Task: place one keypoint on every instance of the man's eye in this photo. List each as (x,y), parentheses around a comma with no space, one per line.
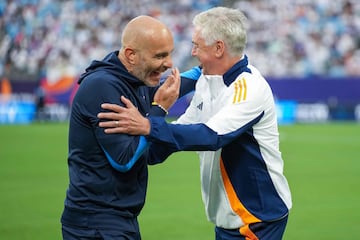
(162,56)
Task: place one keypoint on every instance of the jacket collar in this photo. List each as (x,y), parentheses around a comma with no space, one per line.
(240,67)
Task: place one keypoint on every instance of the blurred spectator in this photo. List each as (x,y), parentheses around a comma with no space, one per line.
(287,38)
(304,37)
(40,104)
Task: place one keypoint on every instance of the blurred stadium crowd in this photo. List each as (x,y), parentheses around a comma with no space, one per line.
(286,38)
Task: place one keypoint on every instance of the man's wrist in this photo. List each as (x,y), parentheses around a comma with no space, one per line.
(160,106)
(147,127)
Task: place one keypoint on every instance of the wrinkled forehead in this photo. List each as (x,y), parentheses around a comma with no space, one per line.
(159,42)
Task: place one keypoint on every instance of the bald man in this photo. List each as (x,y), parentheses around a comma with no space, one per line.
(108,173)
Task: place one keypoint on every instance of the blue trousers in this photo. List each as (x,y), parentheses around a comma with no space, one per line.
(78,225)
(255,231)
(76,233)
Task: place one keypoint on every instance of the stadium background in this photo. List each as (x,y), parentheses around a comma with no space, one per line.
(308,51)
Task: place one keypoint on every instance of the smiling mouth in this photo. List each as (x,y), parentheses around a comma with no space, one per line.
(155,73)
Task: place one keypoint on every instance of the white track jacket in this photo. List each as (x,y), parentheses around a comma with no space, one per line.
(231,122)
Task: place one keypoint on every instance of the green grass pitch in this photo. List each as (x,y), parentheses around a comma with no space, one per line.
(322,164)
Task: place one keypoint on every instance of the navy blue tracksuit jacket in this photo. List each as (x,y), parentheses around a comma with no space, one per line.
(106,181)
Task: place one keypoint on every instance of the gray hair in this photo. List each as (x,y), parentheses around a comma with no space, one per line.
(226,24)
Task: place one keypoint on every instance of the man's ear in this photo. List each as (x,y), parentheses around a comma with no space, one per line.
(130,55)
(219,48)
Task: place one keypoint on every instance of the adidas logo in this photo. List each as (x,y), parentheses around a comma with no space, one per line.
(200,106)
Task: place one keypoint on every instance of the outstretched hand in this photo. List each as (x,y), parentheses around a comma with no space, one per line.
(126,119)
(168,92)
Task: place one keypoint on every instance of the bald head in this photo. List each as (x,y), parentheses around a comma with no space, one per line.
(146,49)
(142,29)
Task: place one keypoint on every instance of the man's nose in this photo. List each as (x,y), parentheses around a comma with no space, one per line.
(168,63)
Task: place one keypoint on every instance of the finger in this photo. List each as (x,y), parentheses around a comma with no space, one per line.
(127,102)
(110,124)
(111,107)
(176,77)
(168,82)
(109,115)
(114,130)
(175,72)
(174,81)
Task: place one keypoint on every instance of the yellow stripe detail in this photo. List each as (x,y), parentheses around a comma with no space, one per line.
(240,90)
(245,88)
(236,90)
(235,203)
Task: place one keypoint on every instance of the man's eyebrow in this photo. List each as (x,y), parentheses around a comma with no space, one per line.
(163,54)
(195,43)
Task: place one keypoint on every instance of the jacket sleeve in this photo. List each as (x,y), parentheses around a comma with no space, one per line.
(188,82)
(121,150)
(191,133)
(189,137)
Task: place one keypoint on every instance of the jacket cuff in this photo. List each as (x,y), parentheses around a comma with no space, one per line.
(157,111)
